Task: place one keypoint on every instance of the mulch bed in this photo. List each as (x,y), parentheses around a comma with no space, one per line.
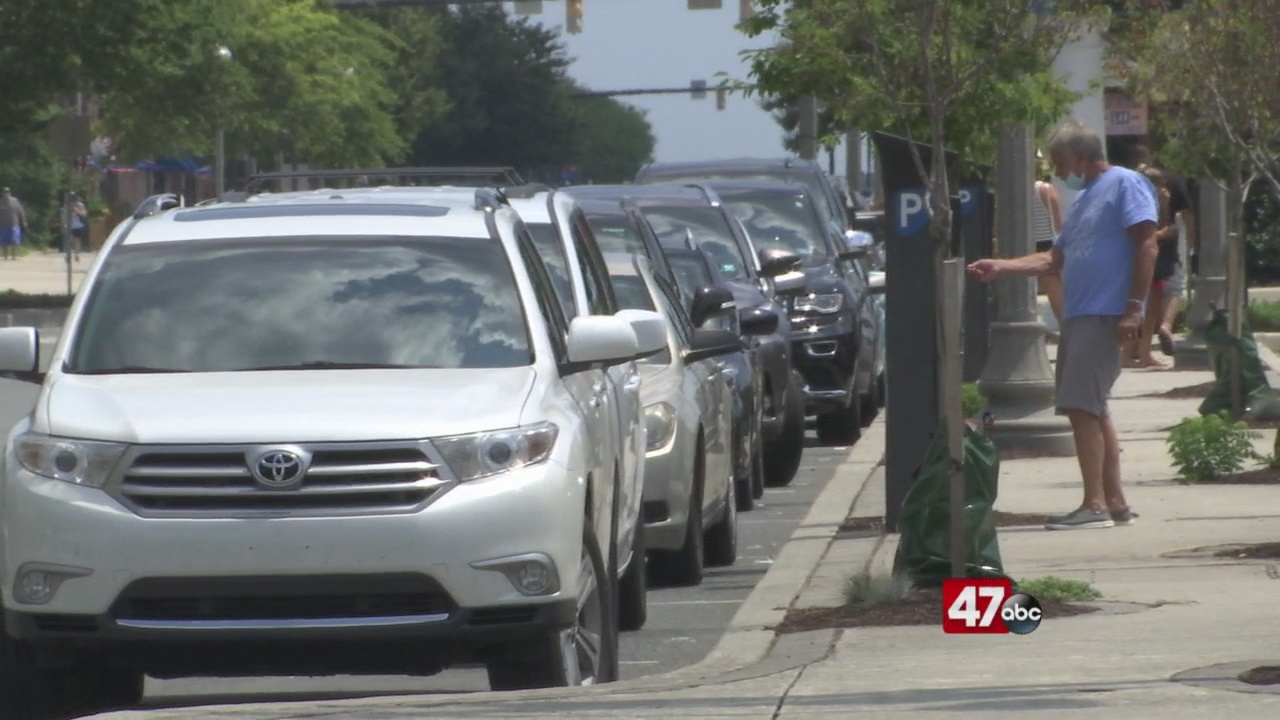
(1261,476)
(1028,454)
(1261,551)
(1006,519)
(1264,675)
(862,525)
(919,607)
(1199,392)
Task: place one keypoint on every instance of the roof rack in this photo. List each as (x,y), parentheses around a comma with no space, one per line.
(489,198)
(158,204)
(428,176)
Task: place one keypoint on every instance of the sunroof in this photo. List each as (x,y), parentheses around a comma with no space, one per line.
(247,212)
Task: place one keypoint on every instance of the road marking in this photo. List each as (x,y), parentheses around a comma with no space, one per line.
(696,602)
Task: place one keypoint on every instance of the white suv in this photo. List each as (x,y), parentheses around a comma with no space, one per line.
(313,433)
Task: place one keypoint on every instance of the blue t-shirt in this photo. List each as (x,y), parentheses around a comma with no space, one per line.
(1097,269)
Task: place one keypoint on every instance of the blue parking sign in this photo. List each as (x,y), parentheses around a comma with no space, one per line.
(911,215)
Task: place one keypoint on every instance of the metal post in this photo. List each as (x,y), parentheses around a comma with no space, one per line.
(853,160)
(949,383)
(808,129)
(1208,287)
(1017,379)
(220,163)
(1234,320)
(66,235)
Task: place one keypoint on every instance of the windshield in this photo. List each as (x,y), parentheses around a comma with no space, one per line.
(616,237)
(547,242)
(709,230)
(782,223)
(253,304)
(812,182)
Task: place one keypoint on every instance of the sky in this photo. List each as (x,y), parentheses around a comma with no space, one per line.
(632,44)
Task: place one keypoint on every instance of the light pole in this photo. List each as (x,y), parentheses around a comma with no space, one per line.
(220,141)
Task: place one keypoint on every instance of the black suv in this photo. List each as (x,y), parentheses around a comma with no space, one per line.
(835,326)
(693,218)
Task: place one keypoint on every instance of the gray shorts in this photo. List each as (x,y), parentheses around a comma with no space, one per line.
(1088,363)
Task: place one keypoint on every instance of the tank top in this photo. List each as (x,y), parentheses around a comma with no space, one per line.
(1042,221)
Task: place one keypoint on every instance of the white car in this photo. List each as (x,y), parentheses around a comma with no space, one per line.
(569,248)
(313,433)
(688,405)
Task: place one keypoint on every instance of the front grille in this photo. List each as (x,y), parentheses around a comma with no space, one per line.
(342,479)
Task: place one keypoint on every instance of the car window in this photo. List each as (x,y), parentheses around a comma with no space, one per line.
(616,236)
(782,222)
(709,230)
(242,304)
(633,294)
(551,250)
(544,290)
(690,274)
(599,293)
(676,316)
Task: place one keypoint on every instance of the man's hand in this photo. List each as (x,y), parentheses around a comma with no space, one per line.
(985,270)
(1130,325)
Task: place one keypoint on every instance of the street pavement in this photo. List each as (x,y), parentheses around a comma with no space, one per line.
(1176,624)
(43,273)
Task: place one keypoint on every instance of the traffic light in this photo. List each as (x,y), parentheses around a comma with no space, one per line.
(573,16)
(722,98)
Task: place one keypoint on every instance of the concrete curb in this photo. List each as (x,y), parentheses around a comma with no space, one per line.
(1268,356)
(746,642)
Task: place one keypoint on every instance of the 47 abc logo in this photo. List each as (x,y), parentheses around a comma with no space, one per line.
(988,606)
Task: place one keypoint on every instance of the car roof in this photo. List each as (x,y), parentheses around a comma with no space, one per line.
(657,193)
(743,165)
(347,212)
(780,187)
(600,207)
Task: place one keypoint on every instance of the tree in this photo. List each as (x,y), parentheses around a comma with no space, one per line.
(785,109)
(1207,66)
(612,140)
(296,70)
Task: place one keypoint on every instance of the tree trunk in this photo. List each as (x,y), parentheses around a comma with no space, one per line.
(1236,299)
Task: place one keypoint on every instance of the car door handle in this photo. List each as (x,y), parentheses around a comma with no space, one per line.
(599,392)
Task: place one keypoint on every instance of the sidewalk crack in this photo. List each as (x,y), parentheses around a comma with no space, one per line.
(831,648)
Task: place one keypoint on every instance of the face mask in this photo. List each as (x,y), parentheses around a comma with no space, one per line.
(1074,182)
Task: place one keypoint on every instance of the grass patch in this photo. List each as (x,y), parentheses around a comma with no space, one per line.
(14,300)
(870,590)
(1264,316)
(1056,588)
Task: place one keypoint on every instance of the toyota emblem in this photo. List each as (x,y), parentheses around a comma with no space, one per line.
(278,469)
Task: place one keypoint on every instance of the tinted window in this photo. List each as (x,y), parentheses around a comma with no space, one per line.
(811,180)
(547,241)
(690,275)
(614,236)
(594,276)
(270,303)
(783,223)
(709,230)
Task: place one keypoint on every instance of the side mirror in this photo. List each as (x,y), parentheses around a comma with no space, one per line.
(792,283)
(601,339)
(20,353)
(775,262)
(650,329)
(712,343)
(857,243)
(758,321)
(875,282)
(710,301)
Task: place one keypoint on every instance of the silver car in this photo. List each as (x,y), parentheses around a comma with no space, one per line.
(689,504)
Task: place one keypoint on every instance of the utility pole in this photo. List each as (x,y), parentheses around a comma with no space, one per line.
(808,129)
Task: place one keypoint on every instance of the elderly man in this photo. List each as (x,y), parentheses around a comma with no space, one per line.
(1106,254)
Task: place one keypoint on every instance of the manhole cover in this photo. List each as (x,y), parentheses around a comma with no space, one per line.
(1264,675)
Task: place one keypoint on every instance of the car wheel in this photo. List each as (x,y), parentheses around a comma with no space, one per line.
(684,567)
(782,457)
(841,427)
(584,654)
(633,591)
(102,689)
(869,407)
(743,459)
(757,461)
(882,391)
(722,538)
(27,692)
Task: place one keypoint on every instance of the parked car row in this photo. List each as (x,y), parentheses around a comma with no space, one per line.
(392,429)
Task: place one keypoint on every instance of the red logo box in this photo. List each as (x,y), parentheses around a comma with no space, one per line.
(973,605)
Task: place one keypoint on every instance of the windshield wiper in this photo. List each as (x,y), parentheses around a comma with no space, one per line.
(331,365)
(127,370)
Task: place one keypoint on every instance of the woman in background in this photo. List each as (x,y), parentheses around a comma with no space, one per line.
(1046,216)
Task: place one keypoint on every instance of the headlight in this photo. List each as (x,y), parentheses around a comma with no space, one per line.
(483,454)
(659,425)
(79,462)
(825,304)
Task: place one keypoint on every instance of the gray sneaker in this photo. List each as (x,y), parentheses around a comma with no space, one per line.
(1081,518)
(1124,517)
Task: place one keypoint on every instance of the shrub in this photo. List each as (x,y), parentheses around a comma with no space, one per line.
(974,400)
(1056,588)
(1207,447)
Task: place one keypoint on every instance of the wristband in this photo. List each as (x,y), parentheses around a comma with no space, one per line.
(1142,305)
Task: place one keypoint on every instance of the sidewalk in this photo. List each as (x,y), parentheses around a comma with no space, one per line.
(1162,615)
(42,273)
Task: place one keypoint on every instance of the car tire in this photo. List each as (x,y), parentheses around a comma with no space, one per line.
(841,427)
(782,456)
(757,460)
(743,465)
(633,590)
(27,692)
(101,688)
(869,407)
(882,390)
(683,567)
(563,659)
(722,538)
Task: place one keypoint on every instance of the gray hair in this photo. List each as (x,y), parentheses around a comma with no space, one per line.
(1075,137)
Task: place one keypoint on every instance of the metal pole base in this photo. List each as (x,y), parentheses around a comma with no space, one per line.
(1017,371)
(1034,431)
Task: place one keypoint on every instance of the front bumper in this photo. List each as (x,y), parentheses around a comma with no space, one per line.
(825,352)
(667,488)
(153,584)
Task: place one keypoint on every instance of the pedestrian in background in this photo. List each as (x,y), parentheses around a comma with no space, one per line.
(1106,255)
(79,224)
(1046,214)
(13,221)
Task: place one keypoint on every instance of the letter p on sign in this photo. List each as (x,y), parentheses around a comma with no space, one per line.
(912,215)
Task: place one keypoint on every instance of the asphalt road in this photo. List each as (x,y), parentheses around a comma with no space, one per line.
(684,623)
